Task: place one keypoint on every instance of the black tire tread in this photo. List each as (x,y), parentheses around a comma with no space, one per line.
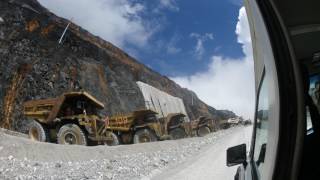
(116,140)
(42,130)
(206,128)
(69,126)
(141,132)
(179,131)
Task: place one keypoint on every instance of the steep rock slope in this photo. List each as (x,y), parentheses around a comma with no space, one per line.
(34,65)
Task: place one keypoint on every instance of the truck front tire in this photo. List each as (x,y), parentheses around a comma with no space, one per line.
(71,134)
(38,132)
(144,135)
(178,133)
(114,141)
(202,131)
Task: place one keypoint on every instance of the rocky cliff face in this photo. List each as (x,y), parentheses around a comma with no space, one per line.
(34,65)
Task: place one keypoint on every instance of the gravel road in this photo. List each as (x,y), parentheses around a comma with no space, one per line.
(211,162)
(21,158)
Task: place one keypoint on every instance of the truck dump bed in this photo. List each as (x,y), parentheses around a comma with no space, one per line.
(125,122)
(46,110)
(40,109)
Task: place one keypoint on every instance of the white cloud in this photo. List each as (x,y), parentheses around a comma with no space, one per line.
(172,45)
(208,36)
(228,83)
(172,49)
(117,21)
(199,48)
(243,32)
(169,4)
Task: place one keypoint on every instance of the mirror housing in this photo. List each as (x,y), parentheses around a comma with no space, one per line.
(237,155)
(262,154)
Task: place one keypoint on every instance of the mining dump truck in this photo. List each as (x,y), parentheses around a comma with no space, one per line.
(174,125)
(210,123)
(138,127)
(71,118)
(177,127)
(213,124)
(224,124)
(199,127)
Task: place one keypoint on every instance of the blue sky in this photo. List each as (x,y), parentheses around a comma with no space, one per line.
(202,45)
(171,50)
(158,32)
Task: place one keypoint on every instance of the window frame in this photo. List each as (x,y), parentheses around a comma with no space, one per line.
(254,169)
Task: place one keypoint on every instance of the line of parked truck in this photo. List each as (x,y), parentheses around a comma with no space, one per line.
(72,118)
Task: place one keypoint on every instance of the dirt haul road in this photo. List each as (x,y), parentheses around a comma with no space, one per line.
(21,158)
(211,162)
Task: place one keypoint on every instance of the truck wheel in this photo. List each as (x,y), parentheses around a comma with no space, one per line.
(71,134)
(178,133)
(144,135)
(114,141)
(202,131)
(38,132)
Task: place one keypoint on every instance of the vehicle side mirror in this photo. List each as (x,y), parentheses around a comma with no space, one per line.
(237,155)
(262,154)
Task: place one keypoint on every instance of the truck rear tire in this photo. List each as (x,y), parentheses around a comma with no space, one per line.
(71,134)
(178,133)
(144,135)
(38,132)
(202,131)
(115,140)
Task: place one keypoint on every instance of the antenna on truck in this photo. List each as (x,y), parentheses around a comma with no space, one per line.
(65,30)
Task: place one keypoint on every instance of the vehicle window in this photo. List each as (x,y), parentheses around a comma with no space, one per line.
(261,126)
(309,123)
(314,92)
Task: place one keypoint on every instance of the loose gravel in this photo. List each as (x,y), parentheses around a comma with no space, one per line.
(23,159)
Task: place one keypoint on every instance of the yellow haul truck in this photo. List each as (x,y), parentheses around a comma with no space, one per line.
(207,125)
(143,126)
(174,125)
(137,127)
(72,118)
(200,127)
(68,119)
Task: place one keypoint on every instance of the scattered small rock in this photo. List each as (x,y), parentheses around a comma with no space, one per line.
(122,166)
(36,164)
(57,165)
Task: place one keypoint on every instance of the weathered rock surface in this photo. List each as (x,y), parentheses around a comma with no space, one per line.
(34,65)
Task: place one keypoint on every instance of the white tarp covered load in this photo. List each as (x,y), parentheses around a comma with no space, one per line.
(161,102)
